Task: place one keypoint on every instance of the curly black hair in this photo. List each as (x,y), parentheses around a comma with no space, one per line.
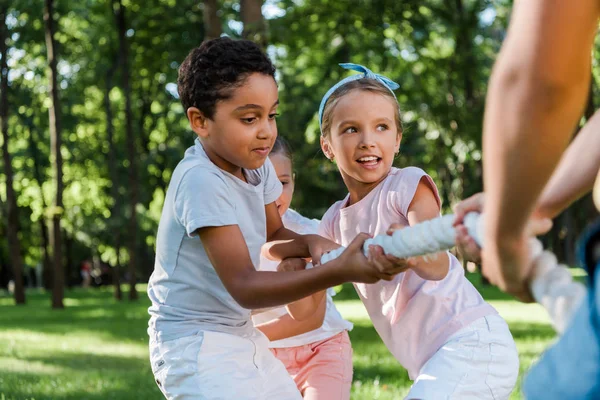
(211,71)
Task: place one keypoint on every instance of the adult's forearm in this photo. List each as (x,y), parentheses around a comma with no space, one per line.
(536,96)
(576,171)
(527,126)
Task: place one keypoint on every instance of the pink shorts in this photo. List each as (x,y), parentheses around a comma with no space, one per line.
(322,370)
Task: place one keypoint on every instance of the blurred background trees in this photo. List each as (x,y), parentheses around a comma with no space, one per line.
(92,127)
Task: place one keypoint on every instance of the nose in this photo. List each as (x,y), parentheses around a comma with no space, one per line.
(268,130)
(367,139)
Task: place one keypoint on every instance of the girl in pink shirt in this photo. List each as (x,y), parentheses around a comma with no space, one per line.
(453,344)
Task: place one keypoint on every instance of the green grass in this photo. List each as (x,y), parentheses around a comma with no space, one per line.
(97,348)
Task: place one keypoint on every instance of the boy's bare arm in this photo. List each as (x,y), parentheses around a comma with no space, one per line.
(576,171)
(228,253)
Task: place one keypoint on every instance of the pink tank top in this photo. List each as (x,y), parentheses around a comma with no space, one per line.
(413,316)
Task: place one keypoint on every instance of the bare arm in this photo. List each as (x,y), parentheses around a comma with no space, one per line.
(286,326)
(423,207)
(285,243)
(576,171)
(535,98)
(228,253)
(302,309)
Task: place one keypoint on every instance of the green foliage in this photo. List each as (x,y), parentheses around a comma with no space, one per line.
(440,52)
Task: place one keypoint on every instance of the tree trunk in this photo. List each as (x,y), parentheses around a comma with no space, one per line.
(56,161)
(255,28)
(114,178)
(464,49)
(37,175)
(68,259)
(131,153)
(14,245)
(212,22)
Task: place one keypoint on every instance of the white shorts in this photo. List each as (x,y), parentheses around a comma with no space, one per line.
(215,366)
(478,362)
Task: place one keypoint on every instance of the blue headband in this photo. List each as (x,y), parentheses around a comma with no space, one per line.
(366,73)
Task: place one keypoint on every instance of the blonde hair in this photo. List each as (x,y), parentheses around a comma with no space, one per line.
(366,84)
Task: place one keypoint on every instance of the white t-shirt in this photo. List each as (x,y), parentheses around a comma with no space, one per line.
(186,292)
(333,323)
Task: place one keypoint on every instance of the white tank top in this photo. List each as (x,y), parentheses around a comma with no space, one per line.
(333,323)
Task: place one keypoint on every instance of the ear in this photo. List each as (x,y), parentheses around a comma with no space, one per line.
(325,146)
(198,122)
(398,140)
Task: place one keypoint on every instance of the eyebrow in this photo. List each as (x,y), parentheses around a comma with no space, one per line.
(284,176)
(358,122)
(253,107)
(248,107)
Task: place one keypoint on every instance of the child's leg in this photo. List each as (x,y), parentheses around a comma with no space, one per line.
(214,365)
(328,373)
(478,362)
(321,370)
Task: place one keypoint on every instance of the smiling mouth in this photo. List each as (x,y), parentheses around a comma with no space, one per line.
(369,161)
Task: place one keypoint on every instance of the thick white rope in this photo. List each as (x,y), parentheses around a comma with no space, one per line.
(552,284)
(424,238)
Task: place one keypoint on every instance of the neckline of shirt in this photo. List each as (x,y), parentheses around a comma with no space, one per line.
(255,188)
(345,208)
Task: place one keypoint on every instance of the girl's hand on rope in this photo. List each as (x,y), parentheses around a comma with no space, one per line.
(318,245)
(292,264)
(357,268)
(432,266)
(387,263)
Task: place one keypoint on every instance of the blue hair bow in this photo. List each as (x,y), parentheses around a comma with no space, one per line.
(366,73)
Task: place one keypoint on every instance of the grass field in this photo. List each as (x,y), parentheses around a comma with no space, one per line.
(96,348)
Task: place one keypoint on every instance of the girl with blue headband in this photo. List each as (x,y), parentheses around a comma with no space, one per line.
(431,318)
